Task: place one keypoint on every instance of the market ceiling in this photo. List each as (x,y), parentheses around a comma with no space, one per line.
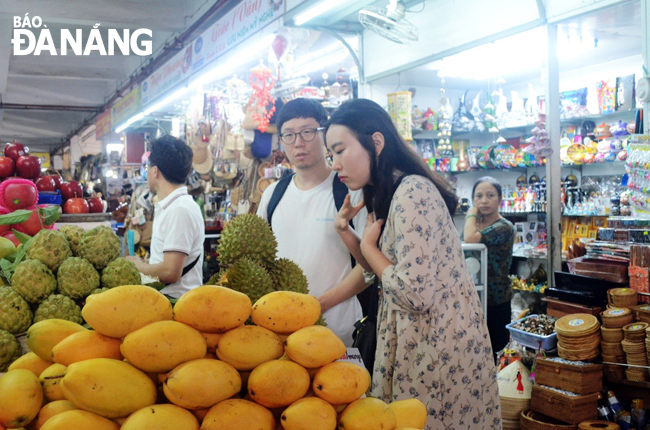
(45,98)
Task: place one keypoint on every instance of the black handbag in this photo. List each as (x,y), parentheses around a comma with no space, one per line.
(365,330)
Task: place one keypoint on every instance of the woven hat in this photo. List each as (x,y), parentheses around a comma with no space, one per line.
(205,166)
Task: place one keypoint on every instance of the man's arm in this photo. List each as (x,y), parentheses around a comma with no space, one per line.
(168,272)
(349,287)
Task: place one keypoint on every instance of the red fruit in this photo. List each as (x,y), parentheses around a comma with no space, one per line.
(20,195)
(71,189)
(14,150)
(46,183)
(96,205)
(7,167)
(57,180)
(28,167)
(33,225)
(12,237)
(76,206)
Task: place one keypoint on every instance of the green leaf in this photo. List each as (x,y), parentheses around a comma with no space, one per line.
(19,257)
(5,264)
(16,217)
(22,237)
(50,214)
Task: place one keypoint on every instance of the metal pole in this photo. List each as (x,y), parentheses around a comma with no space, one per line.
(645,47)
(553,162)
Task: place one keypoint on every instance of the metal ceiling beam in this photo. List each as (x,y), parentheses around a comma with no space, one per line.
(351,8)
(75,78)
(69,108)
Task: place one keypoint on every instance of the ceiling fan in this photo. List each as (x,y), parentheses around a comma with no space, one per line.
(389,22)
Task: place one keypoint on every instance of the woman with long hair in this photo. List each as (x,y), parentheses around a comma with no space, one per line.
(432,341)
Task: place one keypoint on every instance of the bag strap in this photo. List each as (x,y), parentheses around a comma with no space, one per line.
(278,192)
(187,268)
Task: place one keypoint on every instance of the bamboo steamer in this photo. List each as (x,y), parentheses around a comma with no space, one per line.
(635,332)
(598,425)
(616,317)
(611,334)
(622,297)
(535,421)
(578,337)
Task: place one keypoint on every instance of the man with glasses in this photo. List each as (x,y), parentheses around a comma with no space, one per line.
(178,227)
(302,210)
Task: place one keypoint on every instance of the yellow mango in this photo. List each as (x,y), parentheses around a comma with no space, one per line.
(213,309)
(51,409)
(30,361)
(368,414)
(85,345)
(286,311)
(309,413)
(238,414)
(248,346)
(51,382)
(341,382)
(122,310)
(278,383)
(163,345)
(161,417)
(314,346)
(109,388)
(202,383)
(21,397)
(409,413)
(79,420)
(211,340)
(46,334)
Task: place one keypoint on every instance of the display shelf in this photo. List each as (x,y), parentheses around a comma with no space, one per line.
(617,163)
(505,214)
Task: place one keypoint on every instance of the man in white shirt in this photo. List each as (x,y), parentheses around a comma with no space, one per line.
(303,220)
(178,227)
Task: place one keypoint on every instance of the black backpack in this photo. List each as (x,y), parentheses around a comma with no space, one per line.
(340,190)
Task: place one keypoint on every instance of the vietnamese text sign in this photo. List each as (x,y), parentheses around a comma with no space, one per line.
(169,75)
(129,105)
(103,124)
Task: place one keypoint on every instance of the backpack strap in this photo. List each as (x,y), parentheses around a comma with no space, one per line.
(187,268)
(278,192)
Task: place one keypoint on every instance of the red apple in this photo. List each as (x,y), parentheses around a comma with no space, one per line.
(7,167)
(28,167)
(20,195)
(57,180)
(45,183)
(33,225)
(96,205)
(14,150)
(71,189)
(76,205)
(12,237)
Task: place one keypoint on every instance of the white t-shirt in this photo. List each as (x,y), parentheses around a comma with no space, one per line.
(178,227)
(303,223)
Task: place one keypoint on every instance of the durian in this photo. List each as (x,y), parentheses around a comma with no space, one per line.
(58,306)
(33,280)
(10,349)
(15,313)
(120,272)
(288,276)
(77,278)
(50,248)
(250,278)
(74,234)
(100,246)
(247,236)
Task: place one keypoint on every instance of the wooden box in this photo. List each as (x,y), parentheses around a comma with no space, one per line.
(567,407)
(575,376)
(559,308)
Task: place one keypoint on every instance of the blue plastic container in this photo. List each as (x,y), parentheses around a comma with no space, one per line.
(531,340)
(49,198)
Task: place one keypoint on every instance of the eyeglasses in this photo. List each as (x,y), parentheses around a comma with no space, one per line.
(307,135)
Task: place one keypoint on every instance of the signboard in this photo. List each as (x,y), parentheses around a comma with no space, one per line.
(103,124)
(169,75)
(129,105)
(237,25)
(43,157)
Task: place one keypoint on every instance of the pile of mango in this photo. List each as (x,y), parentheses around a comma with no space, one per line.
(213,362)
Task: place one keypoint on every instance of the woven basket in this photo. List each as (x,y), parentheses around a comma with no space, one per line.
(611,348)
(535,421)
(599,425)
(622,297)
(635,331)
(616,317)
(611,334)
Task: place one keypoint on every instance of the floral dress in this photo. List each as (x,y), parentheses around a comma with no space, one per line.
(432,341)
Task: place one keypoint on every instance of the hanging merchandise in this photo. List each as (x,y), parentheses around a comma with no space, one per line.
(501,111)
(463,120)
(517,115)
(262,103)
(478,114)
(431,120)
(531,106)
(444,123)
(488,117)
(399,109)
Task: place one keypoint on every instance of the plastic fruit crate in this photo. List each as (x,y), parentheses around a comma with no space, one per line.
(531,340)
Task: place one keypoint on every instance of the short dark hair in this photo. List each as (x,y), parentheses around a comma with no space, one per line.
(301,108)
(490,180)
(172,157)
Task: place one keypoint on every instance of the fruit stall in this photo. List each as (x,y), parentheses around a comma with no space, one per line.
(85,346)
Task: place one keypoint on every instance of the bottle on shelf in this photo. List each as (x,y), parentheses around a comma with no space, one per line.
(613,402)
(638,414)
(604,412)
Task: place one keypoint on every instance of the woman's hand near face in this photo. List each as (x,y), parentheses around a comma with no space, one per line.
(346,213)
(472,211)
(371,233)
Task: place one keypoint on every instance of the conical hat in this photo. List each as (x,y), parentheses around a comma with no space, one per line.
(509,381)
